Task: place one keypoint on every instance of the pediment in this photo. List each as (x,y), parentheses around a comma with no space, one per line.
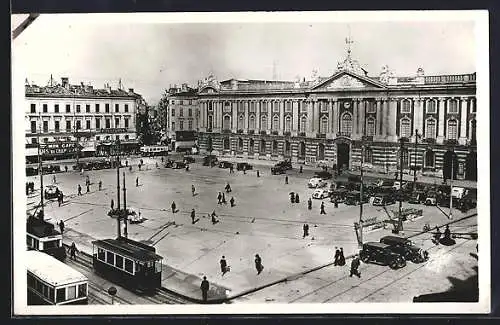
(345,80)
(208,90)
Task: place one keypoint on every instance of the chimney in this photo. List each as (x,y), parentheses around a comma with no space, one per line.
(65,82)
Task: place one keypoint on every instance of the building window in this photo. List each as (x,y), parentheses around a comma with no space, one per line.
(288,108)
(225,143)
(226,122)
(190,125)
(173,111)
(33,126)
(275,147)
(210,107)
(78,125)
(106,108)
(405,158)
(323,107)
(181,112)
(370,127)
(117,122)
(108,123)
(45,140)
(263,122)
(97,123)
(453,106)
(126,136)
(181,125)
(303,123)
(251,123)
(276,123)
(241,122)
(288,124)
(368,156)
(473,106)
(431,106)
(129,266)
(264,107)
(452,129)
(87,108)
(190,112)
(262,146)
(430,158)
(56,126)
(371,107)
(240,144)
(68,108)
(87,122)
(173,126)
(323,126)
(97,108)
(430,128)
(251,145)
(405,106)
(126,123)
(45,126)
(68,126)
(33,108)
(405,128)
(346,125)
(117,108)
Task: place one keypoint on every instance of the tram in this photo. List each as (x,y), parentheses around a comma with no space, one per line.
(151,151)
(130,263)
(51,282)
(42,236)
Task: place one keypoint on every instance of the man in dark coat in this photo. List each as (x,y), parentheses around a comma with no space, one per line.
(258,264)
(73,251)
(309,204)
(297,198)
(193,216)
(79,189)
(337,255)
(219,198)
(173,207)
(224,198)
(306,230)
(88,188)
(137,181)
(204,288)
(228,188)
(193,190)
(112,204)
(341,261)
(61,226)
(286,179)
(214,218)
(232,202)
(354,267)
(322,208)
(258,173)
(223,265)
(300,169)
(292,197)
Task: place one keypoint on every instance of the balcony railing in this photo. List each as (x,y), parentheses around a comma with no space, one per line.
(321,135)
(343,134)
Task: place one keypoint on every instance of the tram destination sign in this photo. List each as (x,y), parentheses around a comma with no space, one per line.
(58,148)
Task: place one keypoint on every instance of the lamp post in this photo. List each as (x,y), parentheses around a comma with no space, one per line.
(118,217)
(402,140)
(40,166)
(417,136)
(450,216)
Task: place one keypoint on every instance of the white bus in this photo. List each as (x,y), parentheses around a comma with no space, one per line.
(51,282)
(148,151)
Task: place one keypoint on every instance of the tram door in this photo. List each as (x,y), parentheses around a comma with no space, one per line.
(342,156)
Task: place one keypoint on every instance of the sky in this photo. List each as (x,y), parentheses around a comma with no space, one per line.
(149,55)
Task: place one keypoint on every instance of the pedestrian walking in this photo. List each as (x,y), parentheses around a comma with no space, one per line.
(137,181)
(88,188)
(336,203)
(126,163)
(139,167)
(187,167)
(297,200)
(54,179)
(156,164)
(130,168)
(292,197)
(300,169)
(61,226)
(437,236)
(244,170)
(59,198)
(354,267)
(73,250)
(219,198)
(223,265)
(232,202)
(100,185)
(258,173)
(322,208)
(162,159)
(306,230)
(224,198)
(173,207)
(286,179)
(337,256)
(213,217)
(193,216)
(309,204)
(66,168)
(79,190)
(112,204)
(341,261)
(228,188)
(258,264)
(88,180)
(204,288)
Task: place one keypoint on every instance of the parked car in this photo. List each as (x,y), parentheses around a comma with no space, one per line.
(459,192)
(406,248)
(431,198)
(134,216)
(316,182)
(467,202)
(243,166)
(51,192)
(383,199)
(323,174)
(189,159)
(378,253)
(225,164)
(338,195)
(384,183)
(287,164)
(179,165)
(277,170)
(210,160)
(31,171)
(417,197)
(321,193)
(354,198)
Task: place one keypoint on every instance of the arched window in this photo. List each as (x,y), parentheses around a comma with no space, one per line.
(287,148)
(346,125)
(452,129)
(276,123)
(320,155)
(370,126)
(288,123)
(250,146)
(405,128)
(405,158)
(405,106)
(263,122)
(303,123)
(430,158)
(240,144)
(368,155)
(430,128)
(262,146)
(225,143)
(227,122)
(241,122)
(275,147)
(431,106)
(323,126)
(302,150)
(251,122)
(453,106)
(210,122)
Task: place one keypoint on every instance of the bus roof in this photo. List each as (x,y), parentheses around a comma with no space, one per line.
(51,270)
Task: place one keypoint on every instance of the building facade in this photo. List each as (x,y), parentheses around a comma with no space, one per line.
(78,119)
(182,113)
(430,120)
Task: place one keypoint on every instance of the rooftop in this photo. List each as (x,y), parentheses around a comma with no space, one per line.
(51,270)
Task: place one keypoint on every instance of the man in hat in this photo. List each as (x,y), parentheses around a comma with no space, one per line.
(61,226)
(232,201)
(193,190)
(309,204)
(193,216)
(354,266)
(100,185)
(258,264)
(219,198)
(306,230)
(137,181)
(322,208)
(173,207)
(204,288)
(337,255)
(79,189)
(223,265)
(286,179)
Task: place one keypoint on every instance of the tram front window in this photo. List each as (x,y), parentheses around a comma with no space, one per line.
(51,244)
(82,290)
(61,295)
(158,266)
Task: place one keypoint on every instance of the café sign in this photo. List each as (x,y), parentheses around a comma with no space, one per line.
(58,148)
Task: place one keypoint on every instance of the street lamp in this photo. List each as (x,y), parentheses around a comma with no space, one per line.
(417,136)
(118,217)
(402,140)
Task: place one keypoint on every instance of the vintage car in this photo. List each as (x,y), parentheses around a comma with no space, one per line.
(406,248)
(287,164)
(51,192)
(210,160)
(321,193)
(179,164)
(133,216)
(338,195)
(277,170)
(316,182)
(189,159)
(323,175)
(417,197)
(243,166)
(225,164)
(431,198)
(383,199)
(354,198)
(379,253)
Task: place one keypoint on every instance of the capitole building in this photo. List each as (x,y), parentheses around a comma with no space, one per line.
(336,118)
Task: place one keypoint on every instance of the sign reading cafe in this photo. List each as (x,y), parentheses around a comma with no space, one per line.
(58,148)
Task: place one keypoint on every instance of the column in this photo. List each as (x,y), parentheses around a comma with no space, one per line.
(355,118)
(257,116)
(335,117)
(295,115)
(234,119)
(317,115)
(463,120)
(378,117)
(247,104)
(201,123)
(440,137)
(392,119)
(309,126)
(417,115)
(362,109)
(281,105)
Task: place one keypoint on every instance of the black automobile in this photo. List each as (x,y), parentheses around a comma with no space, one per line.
(338,195)
(243,166)
(31,171)
(378,253)
(189,159)
(277,170)
(354,198)
(383,199)
(210,160)
(406,248)
(51,192)
(287,164)
(179,165)
(324,174)
(417,197)
(467,202)
(225,164)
